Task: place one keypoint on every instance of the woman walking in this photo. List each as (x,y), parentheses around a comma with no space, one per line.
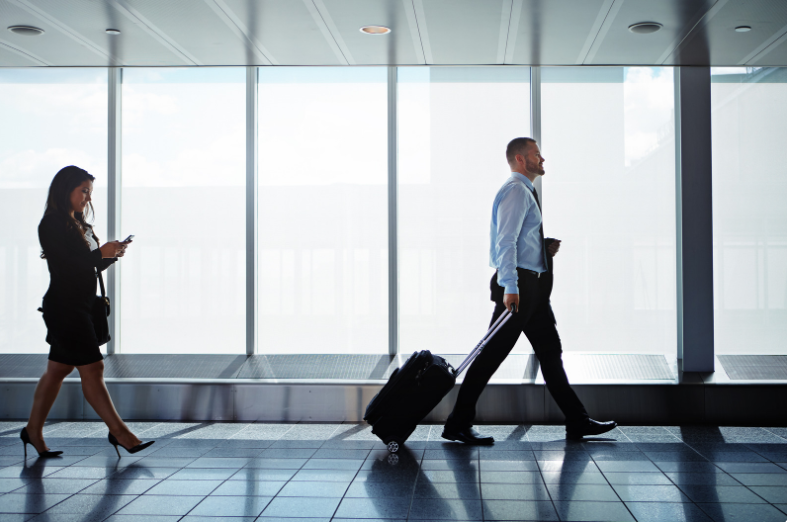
(74,257)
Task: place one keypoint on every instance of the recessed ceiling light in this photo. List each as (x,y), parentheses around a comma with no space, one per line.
(645,27)
(26,30)
(113,31)
(375,29)
(743,29)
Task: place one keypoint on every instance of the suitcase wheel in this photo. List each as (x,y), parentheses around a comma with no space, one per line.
(392,444)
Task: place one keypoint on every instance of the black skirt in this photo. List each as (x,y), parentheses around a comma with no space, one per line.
(70,334)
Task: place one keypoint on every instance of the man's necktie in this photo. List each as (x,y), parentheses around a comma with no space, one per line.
(541,232)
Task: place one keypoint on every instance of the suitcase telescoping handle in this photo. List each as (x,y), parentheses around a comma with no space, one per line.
(496,326)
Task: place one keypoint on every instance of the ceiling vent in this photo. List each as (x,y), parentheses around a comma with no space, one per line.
(375,29)
(645,27)
(26,30)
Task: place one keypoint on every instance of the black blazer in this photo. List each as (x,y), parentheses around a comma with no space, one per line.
(72,265)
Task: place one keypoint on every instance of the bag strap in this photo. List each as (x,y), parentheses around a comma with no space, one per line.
(101,284)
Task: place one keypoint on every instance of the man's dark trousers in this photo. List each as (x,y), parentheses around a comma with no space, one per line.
(536,320)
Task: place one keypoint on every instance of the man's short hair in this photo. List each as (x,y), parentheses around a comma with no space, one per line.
(517,146)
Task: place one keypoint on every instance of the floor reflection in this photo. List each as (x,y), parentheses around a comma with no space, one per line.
(647,474)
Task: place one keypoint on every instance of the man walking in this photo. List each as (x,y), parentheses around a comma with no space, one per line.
(522,284)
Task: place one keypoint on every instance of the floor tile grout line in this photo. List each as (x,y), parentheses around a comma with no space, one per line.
(543,481)
(290,479)
(685,444)
(60,425)
(628,509)
(150,428)
(348,485)
(760,453)
(775,434)
(538,465)
(248,426)
(419,469)
(137,496)
(11,431)
(211,492)
(763,456)
(481,484)
(677,485)
(692,448)
(730,474)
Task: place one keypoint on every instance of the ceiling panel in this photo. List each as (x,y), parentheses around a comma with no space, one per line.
(54,46)
(133,46)
(194,27)
(557,32)
(466,31)
(348,16)
(11,58)
(717,42)
(775,55)
(431,32)
(616,45)
(287,29)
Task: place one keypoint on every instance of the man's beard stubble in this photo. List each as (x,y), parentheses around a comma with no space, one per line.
(534,168)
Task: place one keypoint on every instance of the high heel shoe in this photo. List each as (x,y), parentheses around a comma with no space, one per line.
(41,454)
(135,449)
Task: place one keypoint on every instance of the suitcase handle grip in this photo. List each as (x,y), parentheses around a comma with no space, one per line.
(502,320)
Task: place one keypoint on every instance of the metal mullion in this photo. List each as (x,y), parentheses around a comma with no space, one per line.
(393,201)
(535,119)
(251,209)
(114,189)
(678,218)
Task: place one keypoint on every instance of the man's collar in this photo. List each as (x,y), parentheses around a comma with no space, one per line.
(523,179)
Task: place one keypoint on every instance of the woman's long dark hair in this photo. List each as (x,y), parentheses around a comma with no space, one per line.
(59,200)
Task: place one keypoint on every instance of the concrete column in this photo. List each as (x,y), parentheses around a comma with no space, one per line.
(694,218)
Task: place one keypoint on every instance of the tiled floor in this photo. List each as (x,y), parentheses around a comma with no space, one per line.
(211,472)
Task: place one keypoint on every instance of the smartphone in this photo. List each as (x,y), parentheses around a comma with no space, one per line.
(129,238)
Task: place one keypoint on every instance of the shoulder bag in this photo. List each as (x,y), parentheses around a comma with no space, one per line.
(100,312)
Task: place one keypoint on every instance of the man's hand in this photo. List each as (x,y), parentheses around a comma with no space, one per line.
(553,246)
(511,299)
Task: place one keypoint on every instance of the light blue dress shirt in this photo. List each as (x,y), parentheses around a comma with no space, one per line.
(514,234)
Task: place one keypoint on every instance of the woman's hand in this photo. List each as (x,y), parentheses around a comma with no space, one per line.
(113,249)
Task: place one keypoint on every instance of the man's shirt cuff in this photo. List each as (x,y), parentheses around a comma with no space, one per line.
(513,289)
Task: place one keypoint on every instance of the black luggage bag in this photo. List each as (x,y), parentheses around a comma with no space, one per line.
(415,389)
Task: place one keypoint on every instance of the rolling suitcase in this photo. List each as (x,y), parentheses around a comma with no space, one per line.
(415,389)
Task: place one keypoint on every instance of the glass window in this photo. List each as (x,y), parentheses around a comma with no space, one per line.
(454,125)
(609,195)
(50,118)
(749,213)
(184,278)
(323,233)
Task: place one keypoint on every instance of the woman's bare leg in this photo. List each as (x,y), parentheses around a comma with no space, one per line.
(46,392)
(97,396)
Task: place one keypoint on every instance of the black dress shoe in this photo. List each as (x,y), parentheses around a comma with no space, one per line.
(468,436)
(588,427)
